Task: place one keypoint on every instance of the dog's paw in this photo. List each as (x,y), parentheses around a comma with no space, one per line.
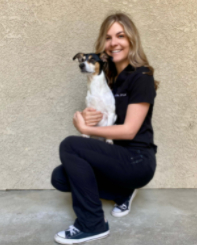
(109,141)
(85,136)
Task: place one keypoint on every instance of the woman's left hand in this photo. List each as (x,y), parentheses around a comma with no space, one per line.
(79,122)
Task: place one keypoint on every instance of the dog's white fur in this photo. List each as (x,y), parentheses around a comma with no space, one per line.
(100,97)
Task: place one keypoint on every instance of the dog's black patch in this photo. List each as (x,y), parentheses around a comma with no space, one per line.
(94,57)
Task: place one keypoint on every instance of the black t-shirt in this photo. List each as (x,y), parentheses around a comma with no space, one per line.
(133,86)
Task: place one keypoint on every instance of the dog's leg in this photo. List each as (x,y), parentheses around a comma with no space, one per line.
(111,119)
(85,136)
(109,141)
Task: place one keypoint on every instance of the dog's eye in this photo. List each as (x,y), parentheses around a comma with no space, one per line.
(81,59)
(92,60)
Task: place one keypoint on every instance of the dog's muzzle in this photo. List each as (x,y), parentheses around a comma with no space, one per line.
(82,67)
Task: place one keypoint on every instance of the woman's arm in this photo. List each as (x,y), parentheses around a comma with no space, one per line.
(135,116)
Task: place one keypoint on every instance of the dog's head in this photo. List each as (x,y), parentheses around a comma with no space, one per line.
(92,63)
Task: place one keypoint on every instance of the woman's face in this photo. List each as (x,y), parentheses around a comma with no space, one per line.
(117,44)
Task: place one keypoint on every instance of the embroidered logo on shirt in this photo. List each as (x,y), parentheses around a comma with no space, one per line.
(120,95)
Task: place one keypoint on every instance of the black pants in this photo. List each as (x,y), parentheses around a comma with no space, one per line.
(92,169)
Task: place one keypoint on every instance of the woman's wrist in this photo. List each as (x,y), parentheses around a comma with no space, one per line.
(84,130)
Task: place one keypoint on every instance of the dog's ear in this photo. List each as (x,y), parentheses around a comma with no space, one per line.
(79,56)
(105,58)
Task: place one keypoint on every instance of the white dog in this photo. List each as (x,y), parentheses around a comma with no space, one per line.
(99,95)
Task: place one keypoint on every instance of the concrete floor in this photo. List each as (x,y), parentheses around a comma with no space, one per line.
(158,216)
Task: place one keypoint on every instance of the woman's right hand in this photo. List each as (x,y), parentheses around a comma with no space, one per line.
(91,116)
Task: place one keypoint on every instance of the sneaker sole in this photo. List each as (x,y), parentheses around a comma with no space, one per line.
(77,241)
(121,214)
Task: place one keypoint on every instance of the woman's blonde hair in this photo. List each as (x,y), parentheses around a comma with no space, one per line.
(136,56)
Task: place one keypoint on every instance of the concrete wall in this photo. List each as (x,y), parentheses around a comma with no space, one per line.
(41,87)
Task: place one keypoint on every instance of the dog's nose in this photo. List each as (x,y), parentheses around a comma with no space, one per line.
(82,65)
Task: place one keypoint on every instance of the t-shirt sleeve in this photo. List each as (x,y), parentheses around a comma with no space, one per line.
(142,89)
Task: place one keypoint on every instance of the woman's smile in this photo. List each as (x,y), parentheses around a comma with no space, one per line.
(116,51)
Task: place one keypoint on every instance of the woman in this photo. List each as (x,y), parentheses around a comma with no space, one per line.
(92,169)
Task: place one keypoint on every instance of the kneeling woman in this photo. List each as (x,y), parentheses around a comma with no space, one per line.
(92,169)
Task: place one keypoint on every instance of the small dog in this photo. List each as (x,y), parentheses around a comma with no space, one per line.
(99,95)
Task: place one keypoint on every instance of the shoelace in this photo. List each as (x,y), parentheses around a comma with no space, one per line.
(123,206)
(72,229)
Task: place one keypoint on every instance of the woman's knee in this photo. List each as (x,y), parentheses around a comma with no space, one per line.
(55,175)
(68,142)
(58,176)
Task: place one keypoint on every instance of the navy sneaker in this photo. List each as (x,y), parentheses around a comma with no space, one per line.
(74,235)
(123,209)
